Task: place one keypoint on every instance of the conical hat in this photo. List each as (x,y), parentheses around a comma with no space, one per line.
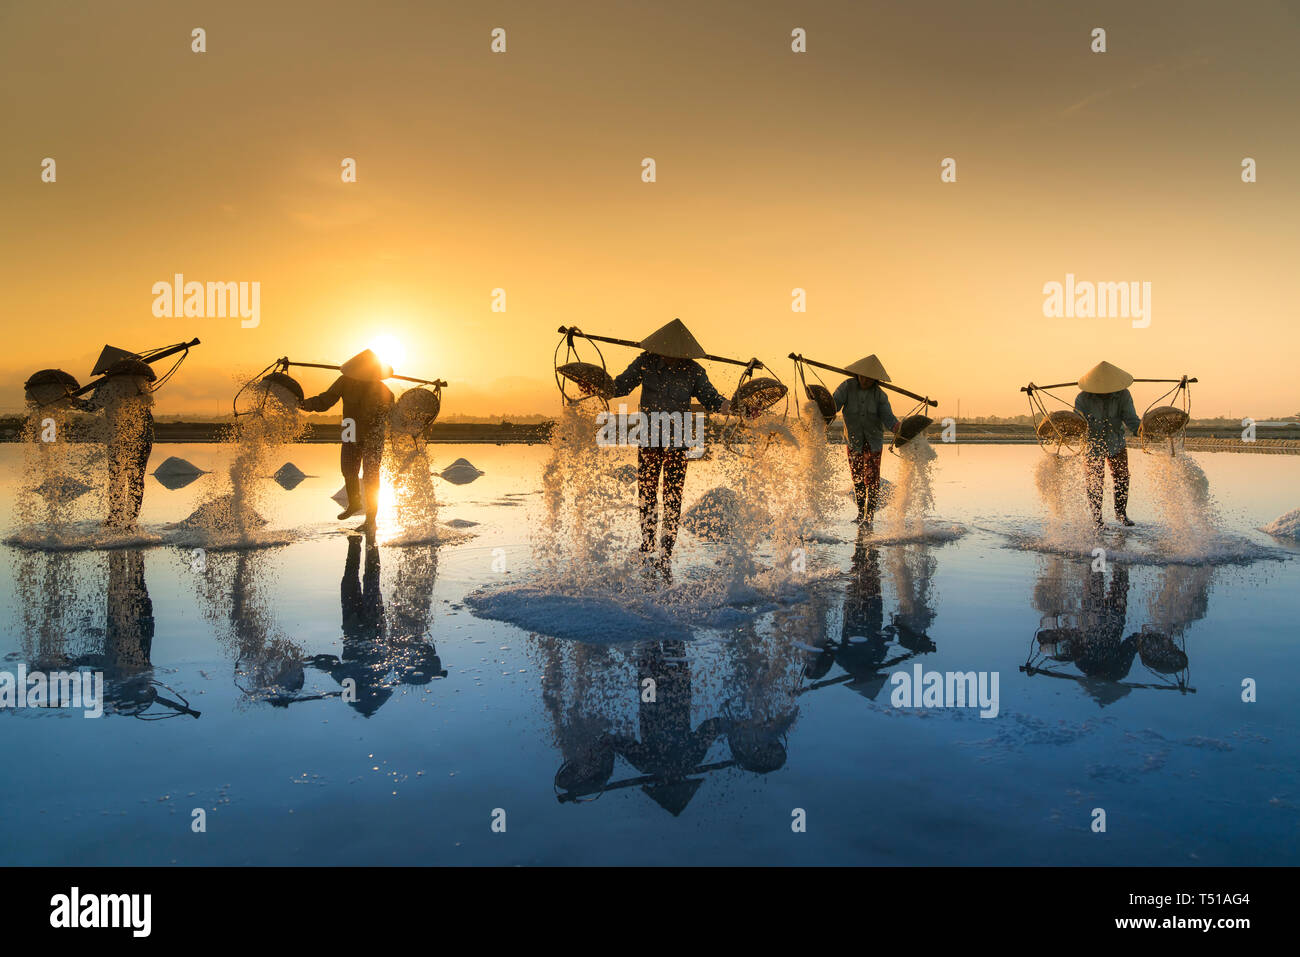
(366,367)
(869,367)
(1103,378)
(110,355)
(674,341)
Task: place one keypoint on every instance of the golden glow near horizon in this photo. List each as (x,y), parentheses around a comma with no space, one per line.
(390,352)
(775,171)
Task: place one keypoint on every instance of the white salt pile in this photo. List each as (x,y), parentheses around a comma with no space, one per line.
(173,466)
(288,476)
(59,490)
(175,473)
(717,514)
(222,515)
(460,472)
(587,618)
(1284,526)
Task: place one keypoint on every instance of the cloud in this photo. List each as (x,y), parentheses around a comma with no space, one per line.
(1158,71)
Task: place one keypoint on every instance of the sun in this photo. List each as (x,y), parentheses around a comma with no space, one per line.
(390,351)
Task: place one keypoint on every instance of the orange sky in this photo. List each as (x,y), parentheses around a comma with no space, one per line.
(775,170)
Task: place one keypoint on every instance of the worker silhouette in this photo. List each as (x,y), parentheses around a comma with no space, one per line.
(669,378)
(377,655)
(668,748)
(1097,645)
(366,403)
(126,398)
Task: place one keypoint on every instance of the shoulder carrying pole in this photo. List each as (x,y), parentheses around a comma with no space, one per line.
(575,331)
(148,357)
(1184,380)
(284,362)
(884,385)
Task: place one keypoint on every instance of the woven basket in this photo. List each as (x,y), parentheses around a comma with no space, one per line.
(1066,424)
(755,396)
(286,382)
(49,385)
(596,379)
(910,428)
(825,401)
(415,411)
(1163,422)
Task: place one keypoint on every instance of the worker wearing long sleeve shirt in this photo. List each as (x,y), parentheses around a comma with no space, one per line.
(669,378)
(366,403)
(1107,406)
(867,414)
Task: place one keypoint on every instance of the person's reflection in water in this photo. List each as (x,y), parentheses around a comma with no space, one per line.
(268,667)
(411,647)
(56,606)
(760,709)
(668,749)
(61,620)
(1183,597)
(669,754)
(129,684)
(1097,646)
(577,698)
(364,660)
(129,625)
(377,657)
(912,570)
(863,646)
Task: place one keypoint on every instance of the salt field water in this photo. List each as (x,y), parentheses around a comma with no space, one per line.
(499,665)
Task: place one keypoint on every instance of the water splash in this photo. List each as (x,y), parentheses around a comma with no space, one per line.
(1177,519)
(60,485)
(912,498)
(1181,500)
(231,512)
(742,547)
(409,474)
(585,538)
(819,468)
(1060,483)
(68,497)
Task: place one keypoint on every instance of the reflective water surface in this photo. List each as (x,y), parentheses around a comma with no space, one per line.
(327,701)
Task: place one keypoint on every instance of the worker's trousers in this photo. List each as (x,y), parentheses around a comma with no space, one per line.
(651,463)
(1094,476)
(864,467)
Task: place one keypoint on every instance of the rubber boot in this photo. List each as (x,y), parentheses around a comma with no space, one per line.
(664,562)
(355,505)
(868,515)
